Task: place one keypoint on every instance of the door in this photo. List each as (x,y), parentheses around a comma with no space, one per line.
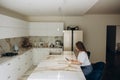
(77,36)
(67,40)
(110,45)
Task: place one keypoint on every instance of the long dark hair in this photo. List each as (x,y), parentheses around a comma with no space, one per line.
(81,46)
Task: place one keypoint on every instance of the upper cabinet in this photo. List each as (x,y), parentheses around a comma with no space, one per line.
(12,27)
(70,39)
(46,28)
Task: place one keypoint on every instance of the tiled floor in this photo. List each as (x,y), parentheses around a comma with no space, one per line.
(27,73)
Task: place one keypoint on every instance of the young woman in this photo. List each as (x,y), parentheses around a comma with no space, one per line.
(82,59)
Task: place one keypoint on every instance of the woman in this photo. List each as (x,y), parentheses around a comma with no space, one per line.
(82,59)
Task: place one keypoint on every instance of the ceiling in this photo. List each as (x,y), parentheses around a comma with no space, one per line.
(61,7)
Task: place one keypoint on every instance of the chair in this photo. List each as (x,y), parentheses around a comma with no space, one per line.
(97,72)
(88,53)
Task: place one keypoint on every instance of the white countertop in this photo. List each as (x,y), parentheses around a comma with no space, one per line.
(55,67)
(7,58)
(4,59)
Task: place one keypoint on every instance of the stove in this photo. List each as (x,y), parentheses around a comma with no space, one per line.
(9,54)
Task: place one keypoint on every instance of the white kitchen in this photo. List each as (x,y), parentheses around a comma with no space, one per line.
(38,44)
(36,37)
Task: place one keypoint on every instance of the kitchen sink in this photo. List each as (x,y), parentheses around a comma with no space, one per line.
(55,53)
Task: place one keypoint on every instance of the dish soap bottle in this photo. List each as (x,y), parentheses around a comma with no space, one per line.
(15,48)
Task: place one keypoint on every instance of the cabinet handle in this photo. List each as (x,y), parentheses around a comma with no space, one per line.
(8,63)
(9,77)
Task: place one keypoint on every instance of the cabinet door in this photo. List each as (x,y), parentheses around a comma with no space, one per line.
(3,73)
(16,67)
(25,62)
(9,70)
(20,68)
(28,61)
(55,50)
(39,54)
(77,36)
(67,40)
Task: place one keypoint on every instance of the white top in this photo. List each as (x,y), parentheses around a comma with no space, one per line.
(83,58)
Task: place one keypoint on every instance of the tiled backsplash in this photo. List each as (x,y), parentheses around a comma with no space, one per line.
(46,40)
(6,45)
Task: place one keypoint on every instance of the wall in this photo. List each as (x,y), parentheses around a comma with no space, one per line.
(12,27)
(39,28)
(10,13)
(94,28)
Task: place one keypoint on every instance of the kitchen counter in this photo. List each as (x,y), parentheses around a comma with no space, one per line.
(20,52)
(56,67)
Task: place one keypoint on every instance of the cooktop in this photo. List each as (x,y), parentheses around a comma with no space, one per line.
(9,54)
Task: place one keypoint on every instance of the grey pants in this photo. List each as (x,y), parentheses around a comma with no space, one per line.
(87,69)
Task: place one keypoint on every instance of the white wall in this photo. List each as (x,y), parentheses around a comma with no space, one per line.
(95,37)
(94,30)
(12,27)
(46,28)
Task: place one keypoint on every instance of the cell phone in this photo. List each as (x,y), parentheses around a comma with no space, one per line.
(67,59)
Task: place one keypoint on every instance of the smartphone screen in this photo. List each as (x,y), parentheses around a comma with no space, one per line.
(67,59)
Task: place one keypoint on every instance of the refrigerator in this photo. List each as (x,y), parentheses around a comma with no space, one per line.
(70,38)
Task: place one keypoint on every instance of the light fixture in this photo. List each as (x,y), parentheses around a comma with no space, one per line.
(61,7)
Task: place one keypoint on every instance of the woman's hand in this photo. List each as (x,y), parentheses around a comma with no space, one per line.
(75,62)
(71,61)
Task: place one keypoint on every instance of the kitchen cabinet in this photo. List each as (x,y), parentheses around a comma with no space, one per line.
(8,70)
(68,36)
(16,66)
(41,54)
(12,27)
(46,28)
(25,62)
(55,51)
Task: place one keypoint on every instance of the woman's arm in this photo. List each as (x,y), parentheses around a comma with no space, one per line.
(75,62)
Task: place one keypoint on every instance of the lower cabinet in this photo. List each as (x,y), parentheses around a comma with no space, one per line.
(41,53)
(16,67)
(8,70)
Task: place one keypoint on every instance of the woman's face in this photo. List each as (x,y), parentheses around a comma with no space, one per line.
(77,49)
